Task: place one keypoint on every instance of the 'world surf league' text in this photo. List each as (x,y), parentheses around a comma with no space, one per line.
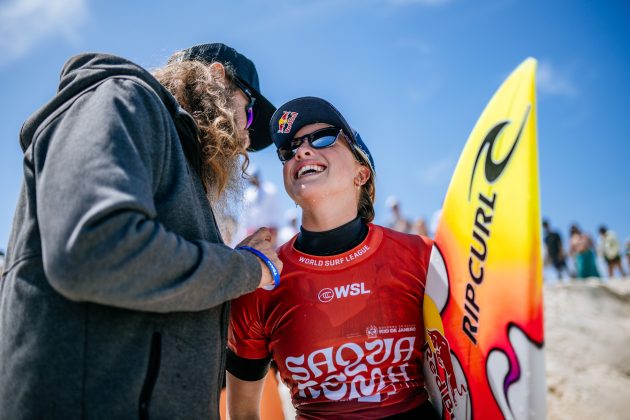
(316,262)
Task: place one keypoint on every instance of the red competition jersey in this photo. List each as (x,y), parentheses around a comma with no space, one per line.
(345,331)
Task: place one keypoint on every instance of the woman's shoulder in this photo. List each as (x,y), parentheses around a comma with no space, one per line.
(415,249)
(411,239)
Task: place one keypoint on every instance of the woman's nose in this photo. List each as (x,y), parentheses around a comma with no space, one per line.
(303,150)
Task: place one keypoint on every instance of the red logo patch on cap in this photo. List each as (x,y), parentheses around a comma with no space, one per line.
(286,121)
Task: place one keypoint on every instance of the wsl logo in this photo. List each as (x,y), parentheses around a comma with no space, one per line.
(326,295)
(342,292)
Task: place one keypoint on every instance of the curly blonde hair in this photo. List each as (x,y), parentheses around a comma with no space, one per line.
(204,95)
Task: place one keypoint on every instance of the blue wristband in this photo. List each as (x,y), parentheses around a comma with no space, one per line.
(272,268)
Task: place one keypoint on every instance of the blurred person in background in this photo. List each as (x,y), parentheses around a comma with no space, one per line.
(291,226)
(114,300)
(627,251)
(610,250)
(420,227)
(345,281)
(581,248)
(260,207)
(396,220)
(1,262)
(554,254)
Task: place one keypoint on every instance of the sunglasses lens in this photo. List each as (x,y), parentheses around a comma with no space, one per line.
(323,141)
(249,109)
(285,154)
(250,117)
(317,140)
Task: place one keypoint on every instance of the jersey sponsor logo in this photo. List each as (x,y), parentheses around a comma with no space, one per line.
(355,371)
(286,121)
(374,331)
(326,295)
(341,292)
(371,331)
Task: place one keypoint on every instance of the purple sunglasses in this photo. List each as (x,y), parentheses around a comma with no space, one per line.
(249,108)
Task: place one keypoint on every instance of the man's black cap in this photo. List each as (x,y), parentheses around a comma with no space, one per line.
(247,74)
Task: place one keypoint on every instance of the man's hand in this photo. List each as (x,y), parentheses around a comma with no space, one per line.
(261,240)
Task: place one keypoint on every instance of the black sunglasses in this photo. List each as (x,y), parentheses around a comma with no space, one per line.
(249,108)
(318,139)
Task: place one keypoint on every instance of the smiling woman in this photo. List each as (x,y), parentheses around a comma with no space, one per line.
(344,327)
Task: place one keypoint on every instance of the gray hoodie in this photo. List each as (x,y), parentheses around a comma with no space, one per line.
(113,300)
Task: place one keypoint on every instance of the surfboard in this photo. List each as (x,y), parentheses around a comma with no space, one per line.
(483,307)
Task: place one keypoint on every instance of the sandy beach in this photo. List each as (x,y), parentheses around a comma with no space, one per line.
(587,327)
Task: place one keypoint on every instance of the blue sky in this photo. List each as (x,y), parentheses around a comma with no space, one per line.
(411,75)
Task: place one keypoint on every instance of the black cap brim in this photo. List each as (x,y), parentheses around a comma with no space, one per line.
(259,135)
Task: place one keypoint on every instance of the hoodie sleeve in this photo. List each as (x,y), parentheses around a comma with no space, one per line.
(98,166)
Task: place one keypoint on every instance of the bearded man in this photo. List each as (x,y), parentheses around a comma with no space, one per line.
(114,299)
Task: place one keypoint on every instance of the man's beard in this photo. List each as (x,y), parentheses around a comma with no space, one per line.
(229,205)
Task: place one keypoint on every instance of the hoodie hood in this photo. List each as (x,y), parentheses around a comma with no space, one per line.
(86,71)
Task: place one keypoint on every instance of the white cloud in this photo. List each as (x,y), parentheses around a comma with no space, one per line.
(552,82)
(436,172)
(25,23)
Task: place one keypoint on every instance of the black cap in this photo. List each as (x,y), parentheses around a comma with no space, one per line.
(246,73)
(295,114)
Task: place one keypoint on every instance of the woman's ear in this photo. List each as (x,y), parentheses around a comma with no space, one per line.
(362,176)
